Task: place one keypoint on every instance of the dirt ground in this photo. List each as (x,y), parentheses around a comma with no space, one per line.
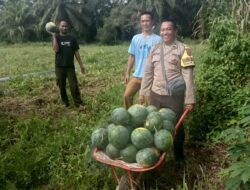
(200,171)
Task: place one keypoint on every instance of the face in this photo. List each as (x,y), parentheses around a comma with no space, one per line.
(168,32)
(63,27)
(146,23)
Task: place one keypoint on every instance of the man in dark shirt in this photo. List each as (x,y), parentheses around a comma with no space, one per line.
(66,48)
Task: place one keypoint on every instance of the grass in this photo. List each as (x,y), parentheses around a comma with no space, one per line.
(20,59)
(46,146)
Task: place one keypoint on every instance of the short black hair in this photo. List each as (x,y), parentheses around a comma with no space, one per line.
(64,20)
(169,19)
(147,13)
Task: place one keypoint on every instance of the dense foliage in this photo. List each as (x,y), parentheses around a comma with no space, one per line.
(238,174)
(223,91)
(210,10)
(122,22)
(223,83)
(105,20)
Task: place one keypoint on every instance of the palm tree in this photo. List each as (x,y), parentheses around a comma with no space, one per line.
(79,13)
(102,9)
(163,6)
(16,22)
(125,16)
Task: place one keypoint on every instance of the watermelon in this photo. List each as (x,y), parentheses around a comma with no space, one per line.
(151,108)
(147,157)
(112,151)
(139,114)
(99,138)
(154,121)
(51,27)
(168,125)
(128,154)
(119,136)
(163,140)
(120,116)
(142,138)
(168,114)
(110,127)
(130,129)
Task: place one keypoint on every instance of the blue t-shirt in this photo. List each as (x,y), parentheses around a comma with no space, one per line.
(140,47)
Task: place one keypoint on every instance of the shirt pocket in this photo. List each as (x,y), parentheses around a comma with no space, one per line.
(156,58)
(174,62)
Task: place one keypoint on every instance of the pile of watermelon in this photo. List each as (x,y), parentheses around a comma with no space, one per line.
(137,135)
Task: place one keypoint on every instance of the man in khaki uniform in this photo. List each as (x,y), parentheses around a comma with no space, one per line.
(168,78)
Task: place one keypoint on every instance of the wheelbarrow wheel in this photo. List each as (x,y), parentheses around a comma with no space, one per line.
(123,184)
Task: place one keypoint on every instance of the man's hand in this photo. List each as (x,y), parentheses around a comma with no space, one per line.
(189,106)
(141,99)
(131,60)
(52,33)
(126,78)
(82,69)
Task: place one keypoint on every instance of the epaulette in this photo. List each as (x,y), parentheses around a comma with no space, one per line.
(156,46)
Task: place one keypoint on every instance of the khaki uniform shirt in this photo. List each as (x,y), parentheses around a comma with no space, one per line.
(177,61)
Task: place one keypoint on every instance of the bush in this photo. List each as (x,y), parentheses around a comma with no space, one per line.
(223,87)
(108,34)
(222,78)
(238,174)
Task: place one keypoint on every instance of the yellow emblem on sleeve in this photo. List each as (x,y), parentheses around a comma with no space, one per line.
(187,58)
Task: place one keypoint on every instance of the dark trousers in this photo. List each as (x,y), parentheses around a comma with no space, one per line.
(175,103)
(68,73)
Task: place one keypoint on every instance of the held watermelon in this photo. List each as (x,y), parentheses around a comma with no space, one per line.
(168,114)
(128,154)
(120,116)
(138,114)
(99,138)
(163,140)
(142,138)
(119,136)
(51,27)
(112,151)
(147,157)
(154,122)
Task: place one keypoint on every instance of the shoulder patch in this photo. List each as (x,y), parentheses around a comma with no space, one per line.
(187,58)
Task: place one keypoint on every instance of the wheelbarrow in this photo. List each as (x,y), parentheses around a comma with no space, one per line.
(126,182)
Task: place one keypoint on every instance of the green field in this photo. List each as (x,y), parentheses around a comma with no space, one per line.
(47,146)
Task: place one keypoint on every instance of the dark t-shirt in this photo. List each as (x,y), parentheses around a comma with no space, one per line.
(67,48)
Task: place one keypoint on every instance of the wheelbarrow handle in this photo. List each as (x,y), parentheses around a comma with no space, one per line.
(181,119)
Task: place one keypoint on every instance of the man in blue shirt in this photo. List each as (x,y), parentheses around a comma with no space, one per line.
(139,50)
